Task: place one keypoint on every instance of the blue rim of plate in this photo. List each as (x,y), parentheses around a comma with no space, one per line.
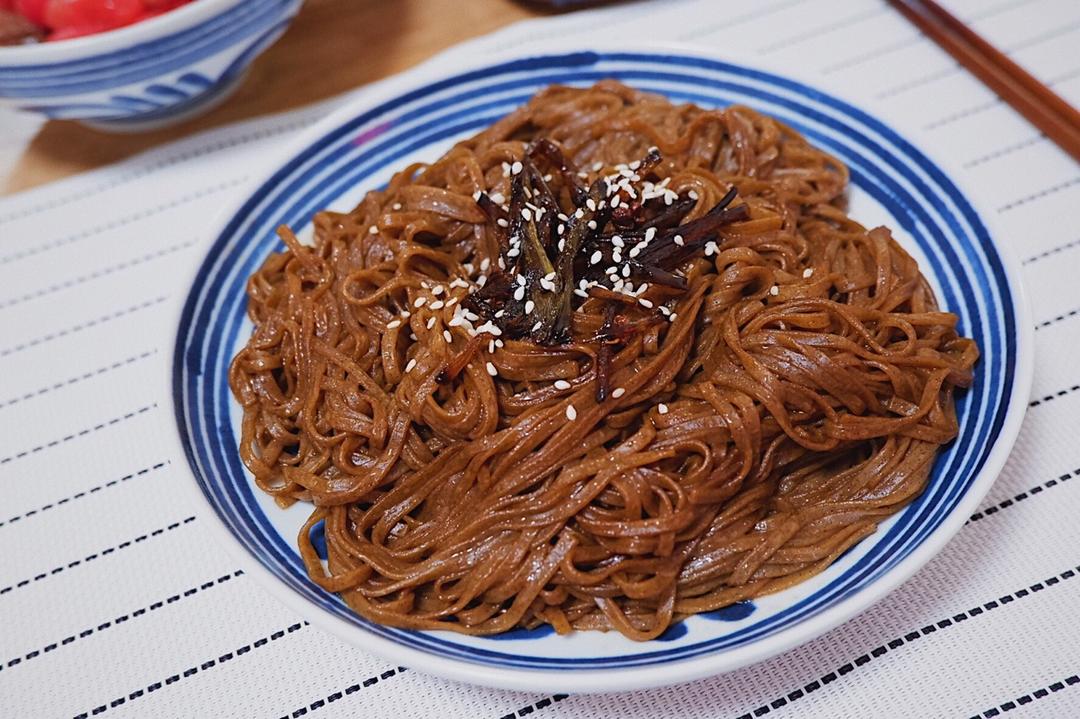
(970,275)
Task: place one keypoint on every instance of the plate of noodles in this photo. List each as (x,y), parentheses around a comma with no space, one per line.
(596,369)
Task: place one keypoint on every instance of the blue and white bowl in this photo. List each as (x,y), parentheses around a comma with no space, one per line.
(417,117)
(147,75)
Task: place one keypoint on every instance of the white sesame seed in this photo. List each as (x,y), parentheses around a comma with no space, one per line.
(581,293)
(664,310)
(513,251)
(571,413)
(617,241)
(393,324)
(419,302)
(562,384)
(447,336)
(537,326)
(596,258)
(456,322)
(591,204)
(406,314)
(635,251)
(396,206)
(501,222)
(437,305)
(662,408)
(634,165)
(515,168)
(591,224)
(626,270)
(410,365)
(650,234)
(616,256)
(645,303)
(497,198)
(562,244)
(615,201)
(526,214)
(613,270)
(774,290)
(477,195)
(809,271)
(491,346)
(481,280)
(529,307)
(693,195)
(519,294)
(502,263)
(678,240)
(373,230)
(618,392)
(597,166)
(498,343)
(547,284)
(412,336)
(469,268)
(485,265)
(430,323)
(711,248)
(549,276)
(673,316)
(490,328)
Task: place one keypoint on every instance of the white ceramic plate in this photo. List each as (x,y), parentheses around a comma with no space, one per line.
(417,116)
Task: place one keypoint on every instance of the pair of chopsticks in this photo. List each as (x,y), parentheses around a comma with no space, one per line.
(1058,120)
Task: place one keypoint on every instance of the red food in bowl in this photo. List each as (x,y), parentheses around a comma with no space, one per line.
(23,21)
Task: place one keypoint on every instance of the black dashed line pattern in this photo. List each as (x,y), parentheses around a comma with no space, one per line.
(121,619)
(78,378)
(1053,251)
(823,30)
(97,555)
(1040,194)
(85,493)
(1038,489)
(1028,698)
(80,433)
(121,222)
(1050,397)
(908,638)
(734,21)
(1044,37)
(542,704)
(80,327)
(1058,318)
(1007,150)
(143,172)
(963,114)
(919,82)
(872,55)
(997,10)
(192,671)
(320,703)
(104,272)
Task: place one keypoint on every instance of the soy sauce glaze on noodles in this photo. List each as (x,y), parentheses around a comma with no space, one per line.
(609,363)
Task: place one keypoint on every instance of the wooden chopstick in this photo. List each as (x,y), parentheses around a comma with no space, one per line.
(1059,120)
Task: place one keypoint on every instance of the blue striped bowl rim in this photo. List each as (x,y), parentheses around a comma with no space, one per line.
(146,59)
(351,149)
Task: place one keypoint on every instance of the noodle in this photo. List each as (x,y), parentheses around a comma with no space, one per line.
(609,363)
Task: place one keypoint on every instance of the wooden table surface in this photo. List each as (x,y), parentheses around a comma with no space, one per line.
(333,46)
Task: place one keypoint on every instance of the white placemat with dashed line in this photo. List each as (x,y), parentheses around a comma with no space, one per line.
(114,602)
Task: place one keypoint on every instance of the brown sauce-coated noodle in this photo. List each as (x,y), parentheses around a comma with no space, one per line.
(725,433)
